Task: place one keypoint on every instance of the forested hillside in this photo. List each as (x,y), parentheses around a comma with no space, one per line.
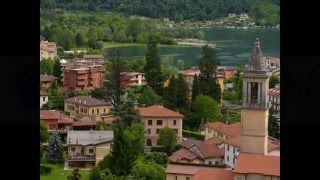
(264,11)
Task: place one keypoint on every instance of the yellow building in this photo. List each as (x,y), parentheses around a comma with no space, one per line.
(85,105)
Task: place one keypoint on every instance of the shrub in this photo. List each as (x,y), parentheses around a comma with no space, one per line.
(195,135)
(45,169)
(158,149)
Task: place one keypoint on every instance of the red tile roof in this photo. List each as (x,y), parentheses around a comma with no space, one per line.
(236,142)
(84,123)
(49,114)
(258,164)
(189,142)
(274,92)
(158,111)
(86,101)
(46,78)
(214,174)
(229,130)
(184,169)
(210,150)
(183,154)
(43,93)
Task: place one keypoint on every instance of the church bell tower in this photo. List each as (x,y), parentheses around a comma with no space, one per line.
(255,105)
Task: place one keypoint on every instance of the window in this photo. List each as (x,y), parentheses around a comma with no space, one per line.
(159,122)
(174,122)
(43,99)
(85,111)
(175,130)
(216,163)
(210,162)
(158,131)
(176,177)
(254,92)
(52,126)
(149,131)
(92,111)
(209,131)
(234,160)
(97,111)
(149,122)
(227,157)
(73,149)
(91,151)
(187,178)
(234,150)
(81,110)
(104,110)
(228,147)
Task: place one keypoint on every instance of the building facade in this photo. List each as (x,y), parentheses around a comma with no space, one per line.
(83,78)
(130,79)
(274,98)
(44,98)
(156,118)
(46,80)
(85,105)
(48,50)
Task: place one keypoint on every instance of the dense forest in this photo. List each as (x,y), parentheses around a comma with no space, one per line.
(264,11)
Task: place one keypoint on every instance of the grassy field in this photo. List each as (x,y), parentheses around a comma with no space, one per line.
(58,173)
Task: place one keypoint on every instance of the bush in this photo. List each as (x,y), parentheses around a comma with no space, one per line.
(45,169)
(195,135)
(158,149)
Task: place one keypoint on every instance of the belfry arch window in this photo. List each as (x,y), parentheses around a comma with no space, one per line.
(254,92)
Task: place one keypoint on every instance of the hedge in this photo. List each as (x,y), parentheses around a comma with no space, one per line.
(45,169)
(158,149)
(191,134)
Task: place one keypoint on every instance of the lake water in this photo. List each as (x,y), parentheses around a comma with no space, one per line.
(233,46)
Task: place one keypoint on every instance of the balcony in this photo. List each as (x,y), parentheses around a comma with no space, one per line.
(81,83)
(81,157)
(81,77)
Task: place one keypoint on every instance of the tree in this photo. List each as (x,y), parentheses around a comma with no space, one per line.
(127,113)
(274,80)
(54,150)
(79,40)
(195,87)
(157,157)
(168,139)
(148,97)
(101,126)
(152,68)
(75,175)
(182,93)
(44,135)
(57,70)
(46,66)
(274,124)
(95,173)
(207,108)
(148,171)
(167,67)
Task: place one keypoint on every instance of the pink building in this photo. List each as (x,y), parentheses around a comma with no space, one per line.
(157,117)
(130,79)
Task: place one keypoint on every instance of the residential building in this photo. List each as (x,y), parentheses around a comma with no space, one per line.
(44,98)
(93,57)
(220,129)
(85,105)
(86,77)
(87,148)
(130,79)
(48,50)
(208,152)
(272,62)
(231,15)
(227,71)
(274,98)
(244,16)
(257,166)
(178,171)
(46,80)
(156,118)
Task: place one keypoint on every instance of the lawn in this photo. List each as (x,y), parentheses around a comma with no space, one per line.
(58,173)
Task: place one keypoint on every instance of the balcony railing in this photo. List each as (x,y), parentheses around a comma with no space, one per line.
(81,157)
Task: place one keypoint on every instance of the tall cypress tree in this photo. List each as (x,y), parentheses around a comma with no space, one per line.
(171,94)
(57,70)
(182,93)
(152,68)
(195,87)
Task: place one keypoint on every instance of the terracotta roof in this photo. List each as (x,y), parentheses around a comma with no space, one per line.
(214,140)
(189,142)
(158,111)
(274,91)
(132,73)
(236,142)
(86,101)
(210,150)
(49,114)
(212,174)
(46,78)
(65,120)
(273,59)
(229,130)
(84,123)
(184,169)
(48,46)
(43,93)
(109,120)
(258,164)
(89,56)
(183,154)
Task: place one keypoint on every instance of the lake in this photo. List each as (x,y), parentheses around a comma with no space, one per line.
(233,46)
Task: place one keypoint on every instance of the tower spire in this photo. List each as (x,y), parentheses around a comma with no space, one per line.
(256,60)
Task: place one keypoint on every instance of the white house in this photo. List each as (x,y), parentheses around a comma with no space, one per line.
(44,98)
